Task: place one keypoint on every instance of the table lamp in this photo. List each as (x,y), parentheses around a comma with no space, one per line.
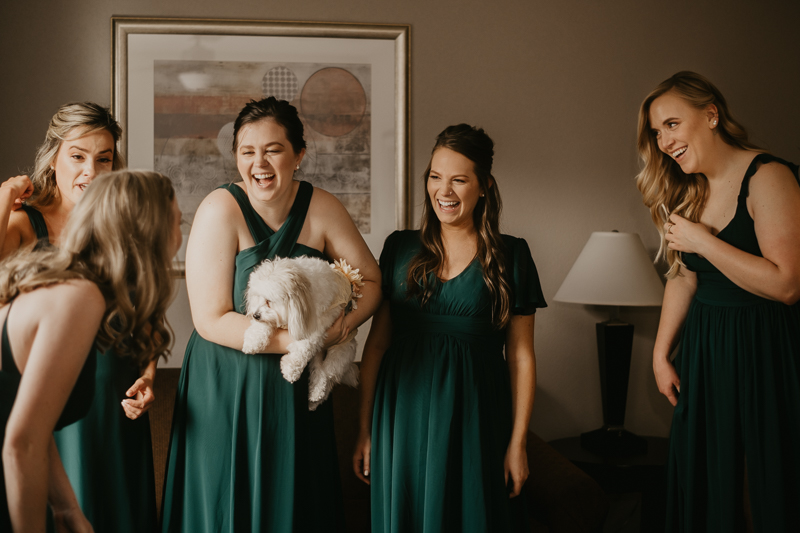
(613,269)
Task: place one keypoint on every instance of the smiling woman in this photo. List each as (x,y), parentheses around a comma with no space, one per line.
(80,144)
(107,455)
(727,213)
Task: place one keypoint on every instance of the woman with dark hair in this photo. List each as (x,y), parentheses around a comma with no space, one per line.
(108,453)
(728,217)
(444,415)
(109,284)
(246,453)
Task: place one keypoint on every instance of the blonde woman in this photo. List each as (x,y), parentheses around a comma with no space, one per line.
(107,285)
(727,213)
(114,482)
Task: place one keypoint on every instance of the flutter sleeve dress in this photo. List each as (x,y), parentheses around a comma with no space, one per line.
(246,454)
(442,417)
(107,456)
(739,366)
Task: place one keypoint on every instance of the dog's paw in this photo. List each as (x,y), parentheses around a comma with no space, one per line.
(290,369)
(319,393)
(255,338)
(350,376)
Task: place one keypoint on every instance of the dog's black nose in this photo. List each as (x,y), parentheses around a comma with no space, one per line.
(257,315)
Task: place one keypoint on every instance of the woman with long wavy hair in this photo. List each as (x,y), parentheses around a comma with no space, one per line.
(444,415)
(114,483)
(108,285)
(727,214)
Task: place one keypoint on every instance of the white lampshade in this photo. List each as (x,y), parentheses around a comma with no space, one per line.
(613,269)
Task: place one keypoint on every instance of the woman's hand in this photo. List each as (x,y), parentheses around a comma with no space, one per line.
(685,236)
(361,456)
(19,187)
(141,398)
(516,467)
(337,333)
(71,520)
(667,380)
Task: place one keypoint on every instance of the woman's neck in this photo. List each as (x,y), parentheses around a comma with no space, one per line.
(727,163)
(55,218)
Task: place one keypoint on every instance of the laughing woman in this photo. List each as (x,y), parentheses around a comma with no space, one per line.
(732,240)
(444,421)
(108,454)
(108,284)
(246,454)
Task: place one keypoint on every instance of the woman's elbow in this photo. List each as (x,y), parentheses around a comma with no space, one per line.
(791,296)
(20,446)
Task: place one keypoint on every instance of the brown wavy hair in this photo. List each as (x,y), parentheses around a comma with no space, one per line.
(116,238)
(474,144)
(74,119)
(662,181)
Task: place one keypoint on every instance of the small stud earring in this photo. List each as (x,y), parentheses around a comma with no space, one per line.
(482,195)
(297,167)
(715,122)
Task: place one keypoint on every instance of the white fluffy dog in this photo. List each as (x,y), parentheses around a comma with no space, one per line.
(304,295)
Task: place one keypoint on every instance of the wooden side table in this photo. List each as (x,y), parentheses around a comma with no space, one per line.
(644,474)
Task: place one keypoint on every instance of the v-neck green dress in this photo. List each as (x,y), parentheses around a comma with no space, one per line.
(246,454)
(442,416)
(107,456)
(739,365)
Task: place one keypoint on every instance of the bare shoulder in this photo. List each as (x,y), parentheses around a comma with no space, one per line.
(773,178)
(73,303)
(327,207)
(19,226)
(77,294)
(219,202)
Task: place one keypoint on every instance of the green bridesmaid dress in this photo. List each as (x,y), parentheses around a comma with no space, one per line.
(78,404)
(442,417)
(246,454)
(107,456)
(739,365)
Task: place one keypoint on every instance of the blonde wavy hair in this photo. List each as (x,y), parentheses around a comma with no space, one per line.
(71,120)
(661,181)
(116,238)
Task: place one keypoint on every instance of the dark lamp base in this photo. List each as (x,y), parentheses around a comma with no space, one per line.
(613,442)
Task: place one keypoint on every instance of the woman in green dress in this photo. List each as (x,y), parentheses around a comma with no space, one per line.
(109,284)
(728,216)
(444,415)
(246,454)
(108,453)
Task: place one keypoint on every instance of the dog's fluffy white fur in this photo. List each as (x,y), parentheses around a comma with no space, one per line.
(304,295)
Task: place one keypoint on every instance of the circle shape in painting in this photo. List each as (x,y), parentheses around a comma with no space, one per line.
(281,83)
(333,101)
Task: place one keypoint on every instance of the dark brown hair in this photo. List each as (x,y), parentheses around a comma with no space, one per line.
(474,144)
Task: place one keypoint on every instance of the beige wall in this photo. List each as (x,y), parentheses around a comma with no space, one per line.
(556,83)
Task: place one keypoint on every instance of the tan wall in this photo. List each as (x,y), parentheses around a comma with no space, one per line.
(556,83)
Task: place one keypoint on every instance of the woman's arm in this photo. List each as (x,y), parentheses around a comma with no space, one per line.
(522,367)
(140,395)
(380,336)
(210,257)
(775,203)
(678,296)
(343,241)
(67,512)
(12,192)
(50,349)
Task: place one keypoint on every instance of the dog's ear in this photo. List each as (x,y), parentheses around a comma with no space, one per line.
(302,319)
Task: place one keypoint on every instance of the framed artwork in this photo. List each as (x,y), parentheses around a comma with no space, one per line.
(178,85)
